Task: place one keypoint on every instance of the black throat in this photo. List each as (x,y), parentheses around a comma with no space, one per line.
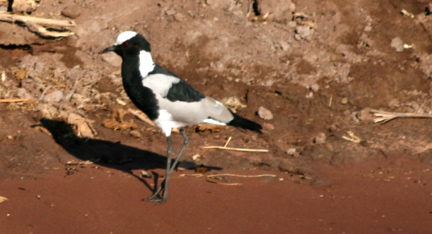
(140,95)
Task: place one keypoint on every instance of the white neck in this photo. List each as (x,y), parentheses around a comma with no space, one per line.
(146,63)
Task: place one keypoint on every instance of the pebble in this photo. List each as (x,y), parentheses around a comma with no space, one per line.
(344,100)
(170,12)
(55,96)
(135,133)
(293,152)
(268,126)
(179,17)
(397,43)
(321,138)
(303,32)
(264,113)
(315,87)
(72,12)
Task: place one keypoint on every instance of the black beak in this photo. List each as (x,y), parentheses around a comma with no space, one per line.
(111,48)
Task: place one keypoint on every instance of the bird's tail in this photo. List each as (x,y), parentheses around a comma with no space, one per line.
(244,123)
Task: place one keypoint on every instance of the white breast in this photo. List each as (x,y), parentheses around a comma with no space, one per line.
(146,64)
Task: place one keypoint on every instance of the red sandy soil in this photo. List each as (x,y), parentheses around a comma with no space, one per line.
(375,198)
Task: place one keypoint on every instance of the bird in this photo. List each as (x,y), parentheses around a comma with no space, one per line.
(169,101)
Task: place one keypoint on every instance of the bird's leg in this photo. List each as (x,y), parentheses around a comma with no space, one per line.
(185,145)
(164,184)
(170,168)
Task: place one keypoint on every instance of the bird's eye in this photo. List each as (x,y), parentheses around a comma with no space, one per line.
(125,44)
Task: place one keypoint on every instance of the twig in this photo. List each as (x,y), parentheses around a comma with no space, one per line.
(214,178)
(34,24)
(44,92)
(9,100)
(43,21)
(40,30)
(71,92)
(234,149)
(226,144)
(352,137)
(384,117)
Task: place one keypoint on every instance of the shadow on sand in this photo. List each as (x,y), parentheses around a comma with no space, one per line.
(107,153)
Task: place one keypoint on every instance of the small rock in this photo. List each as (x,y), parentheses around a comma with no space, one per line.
(55,96)
(72,12)
(284,45)
(344,100)
(26,6)
(293,152)
(170,12)
(23,93)
(268,126)
(303,32)
(264,113)
(179,17)
(315,87)
(398,44)
(321,138)
(135,133)
(310,95)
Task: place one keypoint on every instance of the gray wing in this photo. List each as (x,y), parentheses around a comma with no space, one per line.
(207,110)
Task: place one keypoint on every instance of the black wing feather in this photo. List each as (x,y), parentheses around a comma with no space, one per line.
(181,91)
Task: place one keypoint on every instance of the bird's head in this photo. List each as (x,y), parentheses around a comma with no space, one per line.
(129,43)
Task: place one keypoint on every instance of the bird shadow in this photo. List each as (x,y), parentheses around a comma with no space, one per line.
(109,154)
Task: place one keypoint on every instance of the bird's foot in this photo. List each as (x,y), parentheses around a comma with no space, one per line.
(157,199)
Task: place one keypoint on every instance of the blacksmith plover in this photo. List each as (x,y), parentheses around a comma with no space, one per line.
(167,100)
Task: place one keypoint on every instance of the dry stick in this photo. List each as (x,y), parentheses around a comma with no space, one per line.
(234,149)
(34,24)
(9,100)
(384,117)
(35,28)
(210,178)
(43,21)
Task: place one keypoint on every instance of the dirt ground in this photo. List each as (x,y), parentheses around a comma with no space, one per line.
(73,152)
